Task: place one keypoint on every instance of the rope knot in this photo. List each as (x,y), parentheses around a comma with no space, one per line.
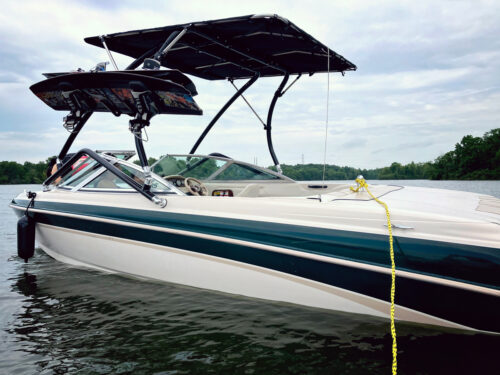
(361,184)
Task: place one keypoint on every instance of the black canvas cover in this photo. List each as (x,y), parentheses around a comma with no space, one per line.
(234,48)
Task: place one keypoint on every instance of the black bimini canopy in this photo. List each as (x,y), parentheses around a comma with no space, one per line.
(231,48)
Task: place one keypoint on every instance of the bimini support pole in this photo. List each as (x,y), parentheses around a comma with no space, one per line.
(103,41)
(169,43)
(152,58)
(134,64)
(222,110)
(279,92)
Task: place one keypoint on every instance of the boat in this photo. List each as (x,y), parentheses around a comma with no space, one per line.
(213,222)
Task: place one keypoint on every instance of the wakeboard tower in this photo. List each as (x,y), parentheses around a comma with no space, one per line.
(247,47)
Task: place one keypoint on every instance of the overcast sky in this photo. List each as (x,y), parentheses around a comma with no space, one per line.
(428,74)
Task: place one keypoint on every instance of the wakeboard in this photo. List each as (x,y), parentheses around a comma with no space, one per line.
(115,92)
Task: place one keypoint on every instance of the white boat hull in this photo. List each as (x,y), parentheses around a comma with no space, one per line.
(168,264)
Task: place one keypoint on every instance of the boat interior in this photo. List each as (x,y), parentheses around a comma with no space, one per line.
(213,175)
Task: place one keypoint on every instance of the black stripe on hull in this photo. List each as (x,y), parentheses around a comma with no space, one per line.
(466,307)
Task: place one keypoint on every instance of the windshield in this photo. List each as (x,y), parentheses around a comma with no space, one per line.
(198,167)
(80,170)
(88,172)
(210,168)
(108,180)
(244,172)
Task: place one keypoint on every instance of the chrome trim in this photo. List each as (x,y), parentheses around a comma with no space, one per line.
(96,174)
(399,226)
(173,42)
(108,51)
(162,202)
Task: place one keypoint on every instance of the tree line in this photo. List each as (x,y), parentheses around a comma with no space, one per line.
(27,173)
(397,171)
(474,158)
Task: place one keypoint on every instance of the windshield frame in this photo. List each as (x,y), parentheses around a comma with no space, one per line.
(229,162)
(113,160)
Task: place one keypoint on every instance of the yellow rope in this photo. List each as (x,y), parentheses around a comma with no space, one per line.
(362,184)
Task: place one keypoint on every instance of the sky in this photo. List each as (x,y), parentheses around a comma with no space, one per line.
(428,74)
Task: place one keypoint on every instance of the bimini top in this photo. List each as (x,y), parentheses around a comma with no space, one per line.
(231,48)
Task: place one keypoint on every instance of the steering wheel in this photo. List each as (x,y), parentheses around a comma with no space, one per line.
(195,186)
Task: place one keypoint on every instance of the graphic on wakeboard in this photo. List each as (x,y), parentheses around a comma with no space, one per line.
(117,92)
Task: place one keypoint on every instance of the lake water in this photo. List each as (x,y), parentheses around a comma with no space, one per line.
(58,319)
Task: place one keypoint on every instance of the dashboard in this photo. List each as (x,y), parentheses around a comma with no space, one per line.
(176,181)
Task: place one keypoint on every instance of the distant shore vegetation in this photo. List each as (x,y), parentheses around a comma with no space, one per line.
(474,158)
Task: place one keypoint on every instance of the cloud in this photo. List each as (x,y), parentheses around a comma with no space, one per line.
(428,73)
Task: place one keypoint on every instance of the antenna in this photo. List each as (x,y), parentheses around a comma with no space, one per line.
(327,108)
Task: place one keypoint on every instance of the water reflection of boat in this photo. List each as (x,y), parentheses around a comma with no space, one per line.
(73,320)
(239,228)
